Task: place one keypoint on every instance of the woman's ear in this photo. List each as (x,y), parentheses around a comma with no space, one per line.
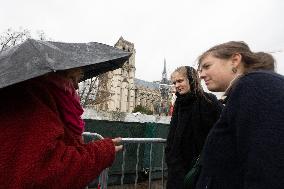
(236,60)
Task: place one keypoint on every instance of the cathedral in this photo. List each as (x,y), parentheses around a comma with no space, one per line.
(120,91)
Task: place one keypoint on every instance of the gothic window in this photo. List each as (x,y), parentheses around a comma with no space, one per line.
(128,94)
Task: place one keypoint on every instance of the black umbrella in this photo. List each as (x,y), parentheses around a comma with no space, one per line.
(34,58)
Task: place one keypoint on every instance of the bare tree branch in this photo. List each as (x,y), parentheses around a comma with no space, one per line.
(12,37)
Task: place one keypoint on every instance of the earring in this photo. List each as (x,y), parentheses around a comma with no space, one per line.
(234,70)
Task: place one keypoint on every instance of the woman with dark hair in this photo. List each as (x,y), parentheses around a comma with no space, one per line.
(194,114)
(245,148)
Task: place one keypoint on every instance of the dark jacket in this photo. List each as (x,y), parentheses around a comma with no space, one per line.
(192,119)
(245,148)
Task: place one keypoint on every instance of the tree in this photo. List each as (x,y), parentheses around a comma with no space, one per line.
(12,37)
(88,90)
(143,110)
(95,91)
(42,36)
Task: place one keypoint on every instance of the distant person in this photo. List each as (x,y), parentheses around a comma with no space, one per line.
(41,136)
(194,114)
(245,148)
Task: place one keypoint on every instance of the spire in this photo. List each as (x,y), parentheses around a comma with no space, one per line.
(164,74)
(165,70)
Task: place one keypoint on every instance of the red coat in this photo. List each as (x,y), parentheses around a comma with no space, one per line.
(37,151)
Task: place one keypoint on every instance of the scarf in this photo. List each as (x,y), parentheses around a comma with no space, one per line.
(67,101)
(184,109)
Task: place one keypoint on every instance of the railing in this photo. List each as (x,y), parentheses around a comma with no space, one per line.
(104,175)
(103,178)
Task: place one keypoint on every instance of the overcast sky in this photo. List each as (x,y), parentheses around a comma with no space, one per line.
(178,31)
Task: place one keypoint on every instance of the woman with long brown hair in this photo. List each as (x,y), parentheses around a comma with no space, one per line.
(245,148)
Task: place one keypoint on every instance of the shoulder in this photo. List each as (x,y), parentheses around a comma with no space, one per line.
(210,98)
(256,87)
(264,73)
(260,82)
(261,78)
(210,101)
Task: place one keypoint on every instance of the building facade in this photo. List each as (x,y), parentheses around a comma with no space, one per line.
(120,91)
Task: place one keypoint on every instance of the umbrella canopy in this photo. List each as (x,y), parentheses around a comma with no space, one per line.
(34,58)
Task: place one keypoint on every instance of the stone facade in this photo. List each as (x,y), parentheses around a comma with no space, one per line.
(147,94)
(120,91)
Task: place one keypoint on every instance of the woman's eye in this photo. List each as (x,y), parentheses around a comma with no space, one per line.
(206,66)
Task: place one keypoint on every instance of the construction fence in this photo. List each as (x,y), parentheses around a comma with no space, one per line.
(142,159)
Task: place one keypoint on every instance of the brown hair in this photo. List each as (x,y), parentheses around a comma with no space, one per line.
(267,59)
(74,75)
(252,61)
(193,78)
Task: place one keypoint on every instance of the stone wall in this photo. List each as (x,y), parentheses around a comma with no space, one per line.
(124,116)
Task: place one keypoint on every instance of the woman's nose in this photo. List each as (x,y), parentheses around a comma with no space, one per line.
(202,74)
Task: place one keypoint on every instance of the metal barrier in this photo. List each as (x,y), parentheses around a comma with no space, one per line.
(103,178)
(104,175)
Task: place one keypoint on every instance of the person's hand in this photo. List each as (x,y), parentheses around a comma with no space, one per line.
(116,142)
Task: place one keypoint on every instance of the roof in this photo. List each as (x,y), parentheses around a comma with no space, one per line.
(146,84)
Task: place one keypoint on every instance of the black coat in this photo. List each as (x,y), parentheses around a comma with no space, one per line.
(245,148)
(192,119)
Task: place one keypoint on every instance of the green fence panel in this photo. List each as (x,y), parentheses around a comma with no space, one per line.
(114,129)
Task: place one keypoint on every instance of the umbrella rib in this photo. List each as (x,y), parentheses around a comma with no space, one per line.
(42,58)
